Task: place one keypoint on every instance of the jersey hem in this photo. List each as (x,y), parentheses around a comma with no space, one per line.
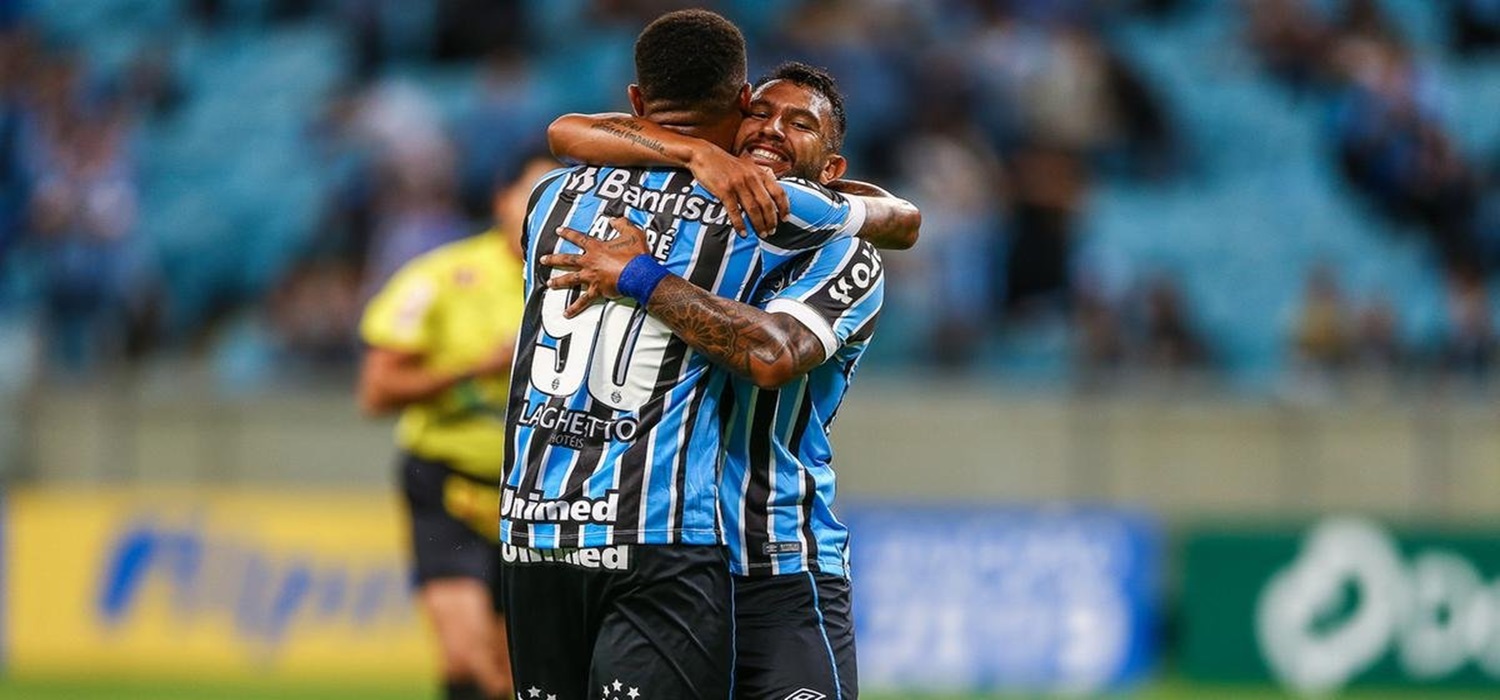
(632,537)
(765,571)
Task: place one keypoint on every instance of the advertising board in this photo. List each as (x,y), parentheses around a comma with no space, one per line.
(214,584)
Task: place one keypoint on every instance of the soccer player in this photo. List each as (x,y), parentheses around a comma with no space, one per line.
(440,338)
(615,574)
(794,626)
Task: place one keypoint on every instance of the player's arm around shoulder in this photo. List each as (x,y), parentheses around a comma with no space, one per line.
(891,222)
(748,192)
(845,208)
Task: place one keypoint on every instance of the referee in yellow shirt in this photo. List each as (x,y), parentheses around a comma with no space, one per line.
(440,337)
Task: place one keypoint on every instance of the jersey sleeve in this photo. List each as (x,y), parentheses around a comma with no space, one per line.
(397,317)
(837,294)
(816,216)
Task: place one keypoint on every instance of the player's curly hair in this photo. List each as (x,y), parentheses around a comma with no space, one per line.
(690,59)
(818,80)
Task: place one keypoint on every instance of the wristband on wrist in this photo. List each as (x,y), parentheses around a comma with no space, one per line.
(640,277)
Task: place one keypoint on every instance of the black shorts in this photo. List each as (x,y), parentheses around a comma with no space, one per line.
(443,545)
(627,622)
(794,638)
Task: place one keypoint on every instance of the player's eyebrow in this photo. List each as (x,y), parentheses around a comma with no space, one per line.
(790,112)
(795,112)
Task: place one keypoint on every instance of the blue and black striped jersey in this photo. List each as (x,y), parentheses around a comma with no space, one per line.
(613,426)
(777,487)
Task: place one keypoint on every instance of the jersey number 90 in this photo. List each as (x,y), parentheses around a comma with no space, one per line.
(617,348)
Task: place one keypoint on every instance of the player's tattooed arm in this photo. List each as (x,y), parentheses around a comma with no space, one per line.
(621,139)
(767,348)
(770,349)
(891,222)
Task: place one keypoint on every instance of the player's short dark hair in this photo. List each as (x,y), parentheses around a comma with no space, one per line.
(818,80)
(690,58)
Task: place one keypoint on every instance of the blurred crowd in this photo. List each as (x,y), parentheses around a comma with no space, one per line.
(1394,151)
(69,192)
(997,117)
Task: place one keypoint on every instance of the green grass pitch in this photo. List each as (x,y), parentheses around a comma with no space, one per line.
(11,689)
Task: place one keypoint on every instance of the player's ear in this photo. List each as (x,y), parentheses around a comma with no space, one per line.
(637,100)
(745,98)
(834,169)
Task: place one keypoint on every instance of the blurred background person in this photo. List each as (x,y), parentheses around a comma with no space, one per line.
(441,336)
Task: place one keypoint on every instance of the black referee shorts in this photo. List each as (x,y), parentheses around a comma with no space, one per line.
(794,638)
(443,546)
(627,622)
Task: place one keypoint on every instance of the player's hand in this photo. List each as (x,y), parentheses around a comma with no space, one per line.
(746,189)
(597,269)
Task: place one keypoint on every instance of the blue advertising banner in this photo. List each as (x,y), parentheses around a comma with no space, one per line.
(963,599)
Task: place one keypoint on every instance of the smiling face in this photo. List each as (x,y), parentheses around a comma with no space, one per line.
(789,129)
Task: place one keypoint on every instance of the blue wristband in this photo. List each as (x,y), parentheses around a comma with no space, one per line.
(640,277)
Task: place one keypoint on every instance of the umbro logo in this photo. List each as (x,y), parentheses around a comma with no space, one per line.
(805,694)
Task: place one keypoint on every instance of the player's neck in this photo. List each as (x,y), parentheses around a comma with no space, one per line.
(718,130)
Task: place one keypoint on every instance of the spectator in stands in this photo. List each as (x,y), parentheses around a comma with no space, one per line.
(152,85)
(507,118)
(1469,344)
(1101,349)
(1050,187)
(1147,137)
(1475,26)
(1289,37)
(865,44)
(1378,348)
(1393,146)
(313,314)
(17,58)
(1169,343)
(951,172)
(81,218)
(412,216)
(1323,336)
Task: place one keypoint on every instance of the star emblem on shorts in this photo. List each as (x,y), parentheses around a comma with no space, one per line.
(617,690)
(534,691)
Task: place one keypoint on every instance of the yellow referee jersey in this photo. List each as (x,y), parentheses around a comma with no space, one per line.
(454,306)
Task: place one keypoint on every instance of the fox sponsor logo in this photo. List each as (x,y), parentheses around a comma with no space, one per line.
(535,509)
(857,279)
(682,204)
(616,558)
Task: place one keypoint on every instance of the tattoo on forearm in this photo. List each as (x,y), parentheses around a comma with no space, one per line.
(734,335)
(630,123)
(630,131)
